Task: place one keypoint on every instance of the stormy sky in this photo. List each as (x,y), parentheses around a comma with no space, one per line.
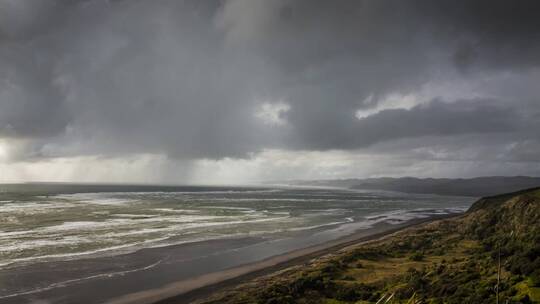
(239,91)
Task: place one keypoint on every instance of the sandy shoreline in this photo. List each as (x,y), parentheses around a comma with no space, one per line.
(188,290)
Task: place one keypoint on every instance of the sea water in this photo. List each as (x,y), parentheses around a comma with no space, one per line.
(51,222)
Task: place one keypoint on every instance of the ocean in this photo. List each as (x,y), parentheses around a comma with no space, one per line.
(42,224)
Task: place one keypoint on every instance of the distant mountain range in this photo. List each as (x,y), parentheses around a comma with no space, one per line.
(480,186)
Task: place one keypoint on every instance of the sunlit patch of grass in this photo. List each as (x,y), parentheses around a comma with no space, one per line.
(333,301)
(374,271)
(534,293)
(525,290)
(468,244)
(371,271)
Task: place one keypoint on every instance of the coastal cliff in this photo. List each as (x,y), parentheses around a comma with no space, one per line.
(492,251)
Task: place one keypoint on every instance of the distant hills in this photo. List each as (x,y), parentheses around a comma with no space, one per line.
(480,186)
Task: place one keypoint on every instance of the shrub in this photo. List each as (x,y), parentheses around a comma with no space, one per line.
(348,278)
(535,278)
(416,256)
(354,292)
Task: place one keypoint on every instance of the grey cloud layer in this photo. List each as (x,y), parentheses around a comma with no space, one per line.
(184,78)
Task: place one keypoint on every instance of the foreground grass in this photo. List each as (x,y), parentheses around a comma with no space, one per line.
(448,261)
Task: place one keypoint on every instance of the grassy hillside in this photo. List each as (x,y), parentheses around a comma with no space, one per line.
(448,261)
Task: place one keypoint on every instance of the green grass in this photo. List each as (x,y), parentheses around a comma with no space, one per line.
(333,301)
(534,293)
(523,289)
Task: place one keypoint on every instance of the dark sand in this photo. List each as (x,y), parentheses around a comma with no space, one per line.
(173,274)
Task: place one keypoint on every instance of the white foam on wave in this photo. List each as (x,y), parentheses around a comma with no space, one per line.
(113,235)
(189,218)
(129,215)
(228,191)
(259,199)
(73,255)
(123,248)
(244,210)
(395,217)
(225,208)
(171,210)
(84,225)
(277,212)
(106,199)
(135,223)
(323,212)
(11,234)
(18,246)
(75,281)
(32,207)
(160,194)
(182,229)
(49,238)
(101,212)
(130,220)
(347,220)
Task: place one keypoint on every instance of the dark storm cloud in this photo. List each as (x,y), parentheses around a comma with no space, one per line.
(31,105)
(185,78)
(436,118)
(335,54)
(496,34)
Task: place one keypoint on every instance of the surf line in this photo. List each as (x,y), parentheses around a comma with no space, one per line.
(75,281)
